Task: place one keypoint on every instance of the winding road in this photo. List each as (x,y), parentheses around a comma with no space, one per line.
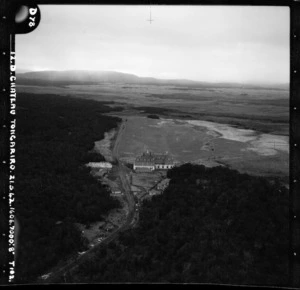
(59,274)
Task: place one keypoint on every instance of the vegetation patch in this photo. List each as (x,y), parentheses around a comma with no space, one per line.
(152,116)
(211,225)
(155,110)
(54,188)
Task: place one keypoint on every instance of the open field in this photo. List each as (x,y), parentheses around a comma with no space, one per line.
(200,141)
(246,129)
(104,146)
(265,110)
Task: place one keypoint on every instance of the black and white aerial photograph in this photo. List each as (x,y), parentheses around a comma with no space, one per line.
(152,145)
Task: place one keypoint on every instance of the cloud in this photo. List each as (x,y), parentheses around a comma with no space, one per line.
(208,43)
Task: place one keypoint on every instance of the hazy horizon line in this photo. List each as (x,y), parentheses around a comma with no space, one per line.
(21,71)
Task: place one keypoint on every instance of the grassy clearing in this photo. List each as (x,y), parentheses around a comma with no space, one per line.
(259,109)
(203,143)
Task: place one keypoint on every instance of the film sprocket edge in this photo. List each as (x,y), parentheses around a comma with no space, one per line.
(10,29)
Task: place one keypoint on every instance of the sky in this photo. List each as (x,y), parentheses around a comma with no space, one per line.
(242,44)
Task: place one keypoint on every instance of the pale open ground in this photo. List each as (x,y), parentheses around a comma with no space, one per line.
(246,129)
(205,142)
(104,146)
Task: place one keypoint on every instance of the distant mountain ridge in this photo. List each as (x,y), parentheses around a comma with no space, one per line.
(82,77)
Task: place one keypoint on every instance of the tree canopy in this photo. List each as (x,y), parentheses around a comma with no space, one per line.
(54,188)
(211,225)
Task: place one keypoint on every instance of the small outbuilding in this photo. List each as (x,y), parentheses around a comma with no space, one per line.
(99,165)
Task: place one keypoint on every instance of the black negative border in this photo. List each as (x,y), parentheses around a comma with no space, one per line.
(7,43)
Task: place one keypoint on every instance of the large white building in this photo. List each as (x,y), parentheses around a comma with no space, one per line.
(149,161)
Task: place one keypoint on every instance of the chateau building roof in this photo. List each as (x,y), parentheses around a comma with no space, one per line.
(149,158)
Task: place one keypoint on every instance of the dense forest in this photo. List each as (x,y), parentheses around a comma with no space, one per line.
(211,225)
(54,188)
